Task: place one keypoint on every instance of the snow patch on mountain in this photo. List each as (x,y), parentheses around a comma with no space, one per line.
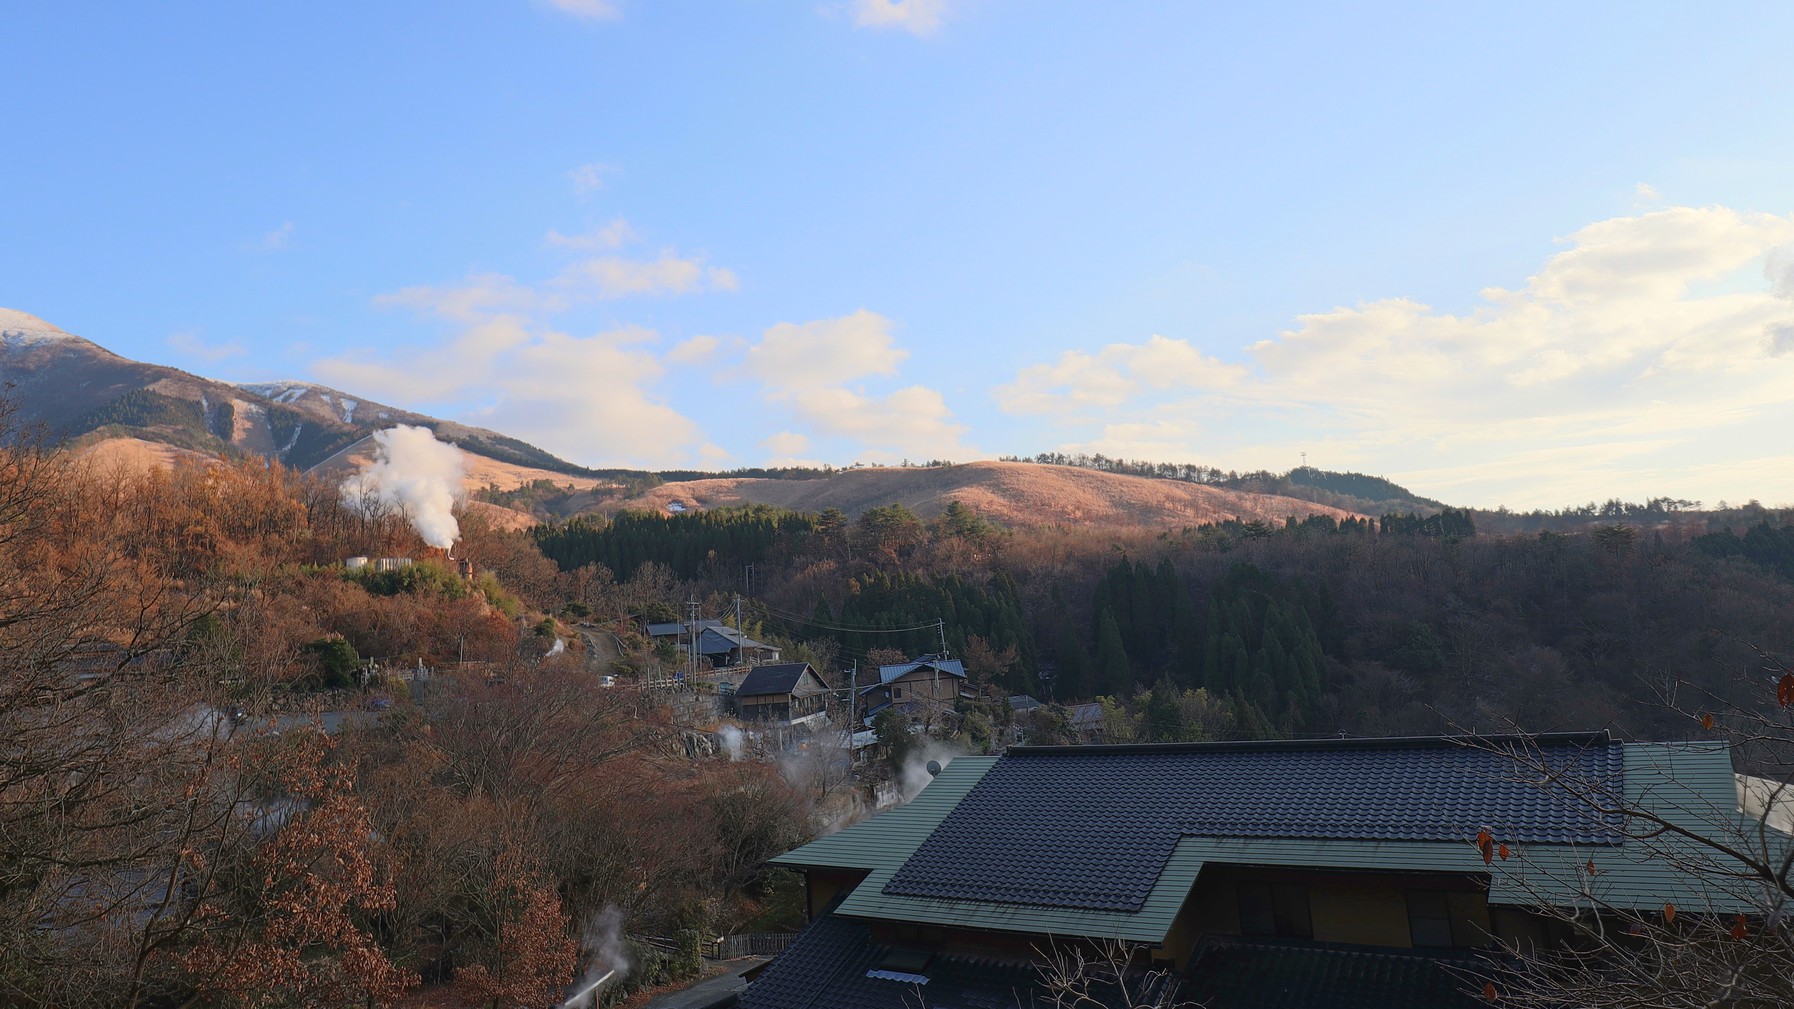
(22,329)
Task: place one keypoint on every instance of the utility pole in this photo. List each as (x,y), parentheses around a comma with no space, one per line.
(691,628)
(740,635)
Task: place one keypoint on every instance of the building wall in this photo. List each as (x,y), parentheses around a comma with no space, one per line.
(776,707)
(822,886)
(926,685)
(1369,915)
(1362,908)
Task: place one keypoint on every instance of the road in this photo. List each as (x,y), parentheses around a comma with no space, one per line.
(712,992)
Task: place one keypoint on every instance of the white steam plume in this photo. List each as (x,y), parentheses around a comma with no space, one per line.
(413,470)
(732,741)
(914,775)
(606,956)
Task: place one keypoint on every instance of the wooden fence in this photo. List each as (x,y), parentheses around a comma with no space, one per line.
(755,944)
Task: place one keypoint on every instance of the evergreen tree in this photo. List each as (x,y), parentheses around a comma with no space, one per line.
(1076,678)
(1114,676)
(1164,720)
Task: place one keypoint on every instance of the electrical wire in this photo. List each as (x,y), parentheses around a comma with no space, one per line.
(808,622)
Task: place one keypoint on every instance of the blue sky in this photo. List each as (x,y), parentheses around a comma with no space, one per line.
(1506,254)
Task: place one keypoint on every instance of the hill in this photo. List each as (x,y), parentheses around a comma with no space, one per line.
(134,413)
(1014,493)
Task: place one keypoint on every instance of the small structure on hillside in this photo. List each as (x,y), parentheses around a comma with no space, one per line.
(721,644)
(931,682)
(788,693)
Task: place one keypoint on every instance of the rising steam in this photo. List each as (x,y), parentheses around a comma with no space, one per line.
(419,474)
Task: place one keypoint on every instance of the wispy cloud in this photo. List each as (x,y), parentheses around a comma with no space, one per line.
(1113,376)
(1639,349)
(591,10)
(608,277)
(189,344)
(613,235)
(592,398)
(694,351)
(918,17)
(589,178)
(276,240)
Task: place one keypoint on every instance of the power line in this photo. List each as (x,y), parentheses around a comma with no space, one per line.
(808,622)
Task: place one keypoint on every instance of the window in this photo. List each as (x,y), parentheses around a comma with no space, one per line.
(1429,918)
(1275,909)
(896,693)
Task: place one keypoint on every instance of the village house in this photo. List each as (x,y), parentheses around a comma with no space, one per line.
(1350,873)
(928,684)
(787,693)
(716,641)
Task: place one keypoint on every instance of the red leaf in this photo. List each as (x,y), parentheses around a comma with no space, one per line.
(1590,867)
(1485,843)
(1502,851)
(1739,928)
(1669,914)
(1784,691)
(1707,721)
(1489,993)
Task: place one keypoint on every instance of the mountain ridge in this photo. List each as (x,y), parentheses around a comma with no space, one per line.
(138,413)
(83,394)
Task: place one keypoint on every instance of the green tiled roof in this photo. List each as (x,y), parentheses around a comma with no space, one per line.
(889,838)
(1690,785)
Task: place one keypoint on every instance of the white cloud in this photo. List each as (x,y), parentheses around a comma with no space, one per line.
(592,10)
(1634,353)
(590,398)
(1781,339)
(278,239)
(693,351)
(918,17)
(190,344)
(1778,268)
(786,443)
(607,277)
(614,235)
(806,367)
(1645,195)
(589,178)
(473,300)
(825,352)
(1114,375)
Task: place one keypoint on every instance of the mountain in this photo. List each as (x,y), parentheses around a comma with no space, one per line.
(1015,493)
(130,413)
(96,400)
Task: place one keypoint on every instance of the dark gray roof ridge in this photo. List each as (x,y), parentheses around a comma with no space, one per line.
(1600,737)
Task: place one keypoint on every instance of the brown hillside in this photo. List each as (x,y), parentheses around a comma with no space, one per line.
(1010,492)
(481,470)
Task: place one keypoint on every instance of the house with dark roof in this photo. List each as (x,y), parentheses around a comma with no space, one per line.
(929,683)
(789,693)
(1343,873)
(721,644)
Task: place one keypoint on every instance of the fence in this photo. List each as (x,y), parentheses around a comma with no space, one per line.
(754,944)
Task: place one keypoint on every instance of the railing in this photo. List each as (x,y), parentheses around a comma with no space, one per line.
(754,944)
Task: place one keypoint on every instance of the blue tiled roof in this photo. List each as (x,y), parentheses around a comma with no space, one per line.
(1230,973)
(1092,827)
(950,667)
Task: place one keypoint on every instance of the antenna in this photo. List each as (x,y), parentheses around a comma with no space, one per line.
(1305,460)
